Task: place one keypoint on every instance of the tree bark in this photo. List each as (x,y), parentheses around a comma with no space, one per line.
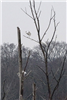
(34,91)
(21,78)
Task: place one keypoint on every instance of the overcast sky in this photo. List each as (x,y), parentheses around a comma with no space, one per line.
(13,17)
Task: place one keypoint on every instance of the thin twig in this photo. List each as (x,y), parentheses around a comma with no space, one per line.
(39,14)
(41,69)
(38,24)
(48,25)
(33,15)
(28,96)
(26,13)
(52,48)
(34,41)
(42,97)
(28,74)
(39,7)
(27,61)
(54,76)
(41,81)
(55,26)
(31,39)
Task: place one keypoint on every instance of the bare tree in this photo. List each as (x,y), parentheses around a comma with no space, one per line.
(35,17)
(21,70)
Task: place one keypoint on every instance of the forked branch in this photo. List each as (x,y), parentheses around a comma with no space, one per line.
(27,61)
(60,75)
(51,17)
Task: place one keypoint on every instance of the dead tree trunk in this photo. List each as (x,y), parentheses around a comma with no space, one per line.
(21,75)
(34,91)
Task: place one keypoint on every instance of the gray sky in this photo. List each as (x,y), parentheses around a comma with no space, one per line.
(12,16)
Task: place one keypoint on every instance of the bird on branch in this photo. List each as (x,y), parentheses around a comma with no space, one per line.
(22,72)
(28,33)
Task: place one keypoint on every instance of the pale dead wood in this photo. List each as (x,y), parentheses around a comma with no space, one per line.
(34,91)
(20,66)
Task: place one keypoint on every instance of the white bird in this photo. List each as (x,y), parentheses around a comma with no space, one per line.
(22,72)
(28,33)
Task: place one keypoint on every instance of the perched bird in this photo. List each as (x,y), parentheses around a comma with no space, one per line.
(28,33)
(22,72)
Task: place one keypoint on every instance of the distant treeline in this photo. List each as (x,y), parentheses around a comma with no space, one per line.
(9,70)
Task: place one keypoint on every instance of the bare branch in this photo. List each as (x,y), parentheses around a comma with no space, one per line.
(54,75)
(33,15)
(27,61)
(39,14)
(38,29)
(42,97)
(41,69)
(26,13)
(28,74)
(61,74)
(52,48)
(34,41)
(33,3)
(34,91)
(28,96)
(48,25)
(31,39)
(37,24)
(25,10)
(55,26)
(41,81)
(39,7)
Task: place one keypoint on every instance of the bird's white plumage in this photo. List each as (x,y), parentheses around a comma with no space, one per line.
(22,72)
